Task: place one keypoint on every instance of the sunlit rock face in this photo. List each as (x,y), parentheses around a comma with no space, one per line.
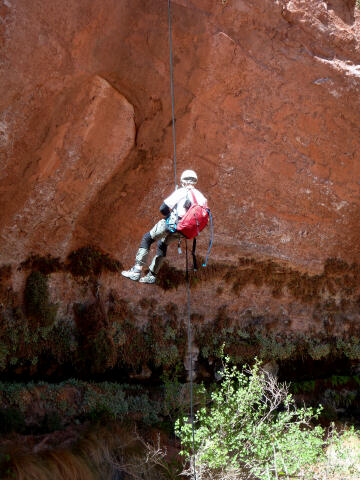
(267,112)
(267,107)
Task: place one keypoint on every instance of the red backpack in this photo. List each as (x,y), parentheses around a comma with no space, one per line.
(194,220)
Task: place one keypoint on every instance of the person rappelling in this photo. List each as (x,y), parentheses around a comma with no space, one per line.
(185,214)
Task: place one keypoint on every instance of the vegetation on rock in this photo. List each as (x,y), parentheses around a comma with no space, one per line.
(106,334)
(248,336)
(36,300)
(91,260)
(106,452)
(83,262)
(43,264)
(252,428)
(43,407)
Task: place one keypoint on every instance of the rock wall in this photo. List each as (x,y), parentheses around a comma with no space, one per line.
(267,112)
(267,107)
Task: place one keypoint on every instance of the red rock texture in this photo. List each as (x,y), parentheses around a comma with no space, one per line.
(267,112)
(267,108)
(80,153)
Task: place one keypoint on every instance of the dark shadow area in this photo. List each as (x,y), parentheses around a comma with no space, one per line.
(303,369)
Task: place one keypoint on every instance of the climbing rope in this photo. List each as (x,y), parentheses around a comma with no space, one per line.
(172,90)
(188,292)
(190,355)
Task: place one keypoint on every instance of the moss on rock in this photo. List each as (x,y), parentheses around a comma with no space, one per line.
(36,300)
(91,261)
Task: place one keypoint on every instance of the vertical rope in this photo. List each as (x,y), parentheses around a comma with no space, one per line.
(191,358)
(172,90)
(187,261)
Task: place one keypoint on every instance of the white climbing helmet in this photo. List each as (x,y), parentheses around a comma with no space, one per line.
(188,177)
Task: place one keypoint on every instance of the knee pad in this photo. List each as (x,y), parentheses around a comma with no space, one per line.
(146,241)
(161,249)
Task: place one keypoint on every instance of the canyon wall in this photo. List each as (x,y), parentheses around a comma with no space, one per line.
(267,108)
(267,112)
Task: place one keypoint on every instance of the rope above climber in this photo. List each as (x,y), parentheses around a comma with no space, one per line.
(185,215)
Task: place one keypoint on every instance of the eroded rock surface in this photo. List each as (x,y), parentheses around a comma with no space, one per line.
(267,108)
(90,135)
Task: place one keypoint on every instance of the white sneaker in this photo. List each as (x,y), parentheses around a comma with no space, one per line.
(149,278)
(133,274)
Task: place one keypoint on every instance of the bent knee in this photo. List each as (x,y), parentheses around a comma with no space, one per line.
(146,241)
(161,249)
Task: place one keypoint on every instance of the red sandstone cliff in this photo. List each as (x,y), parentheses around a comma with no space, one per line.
(267,107)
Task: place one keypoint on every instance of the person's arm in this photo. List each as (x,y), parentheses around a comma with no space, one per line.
(170,202)
(165,210)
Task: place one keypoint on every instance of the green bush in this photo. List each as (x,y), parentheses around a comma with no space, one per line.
(341,460)
(110,401)
(349,347)
(252,428)
(73,401)
(319,350)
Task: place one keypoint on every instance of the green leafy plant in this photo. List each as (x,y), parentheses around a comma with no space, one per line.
(318,351)
(252,428)
(341,460)
(274,348)
(73,401)
(350,347)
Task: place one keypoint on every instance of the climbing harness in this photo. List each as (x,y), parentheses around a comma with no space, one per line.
(171,222)
(187,263)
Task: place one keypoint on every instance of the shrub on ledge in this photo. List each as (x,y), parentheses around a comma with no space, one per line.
(252,429)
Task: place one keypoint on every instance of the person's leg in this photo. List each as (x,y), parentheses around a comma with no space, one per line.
(143,252)
(158,231)
(159,257)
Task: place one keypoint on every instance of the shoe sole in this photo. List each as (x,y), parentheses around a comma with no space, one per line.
(130,278)
(148,283)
